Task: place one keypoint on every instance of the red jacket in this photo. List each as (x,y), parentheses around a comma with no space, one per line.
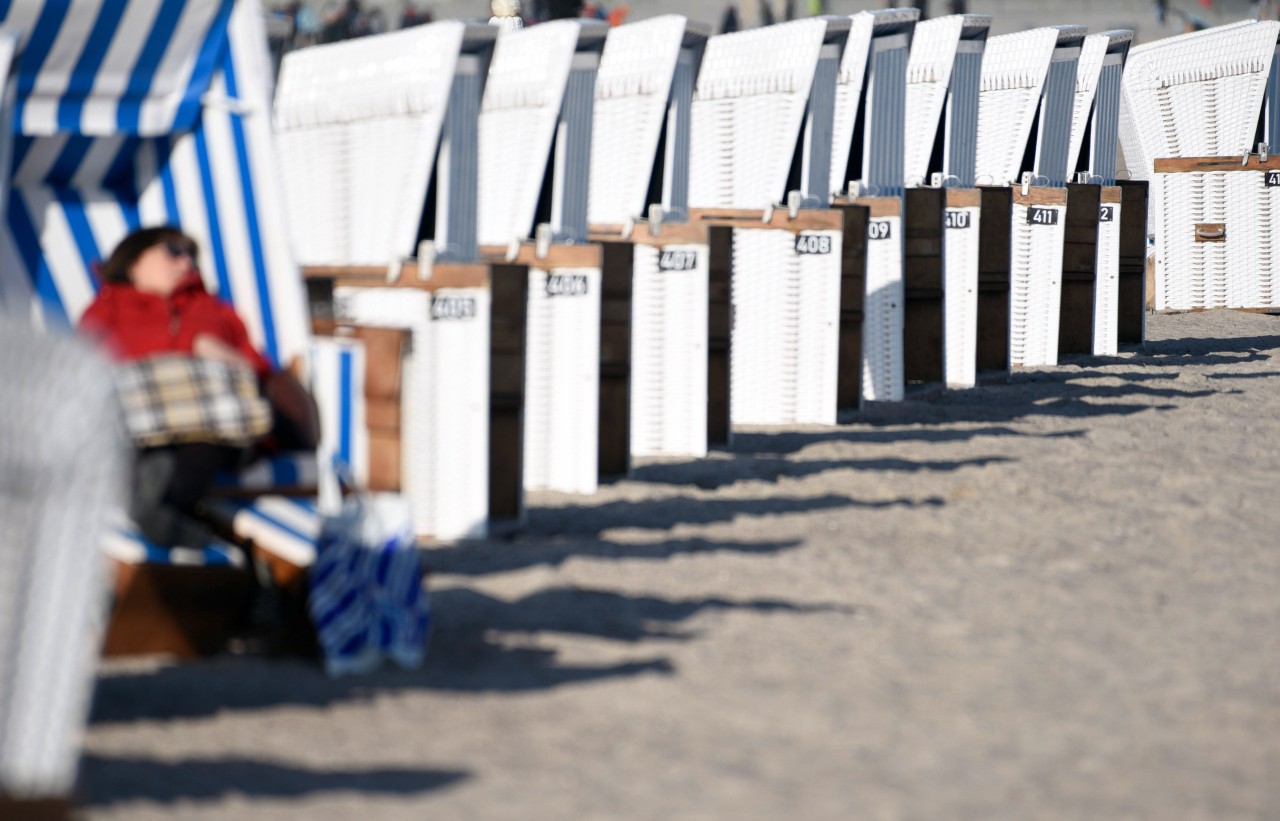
(134,325)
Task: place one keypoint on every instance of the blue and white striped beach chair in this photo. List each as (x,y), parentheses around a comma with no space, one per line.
(129,113)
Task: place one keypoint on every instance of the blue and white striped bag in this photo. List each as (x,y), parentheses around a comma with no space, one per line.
(367,601)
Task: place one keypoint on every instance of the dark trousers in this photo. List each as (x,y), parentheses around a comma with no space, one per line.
(169,484)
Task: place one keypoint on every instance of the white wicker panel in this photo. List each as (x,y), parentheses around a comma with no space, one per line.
(1106,301)
(1251,212)
(760,315)
(444,400)
(960,300)
(883,313)
(785,343)
(849,82)
(633,85)
(562,380)
(1130,139)
(751,96)
(818,335)
(669,351)
(1198,95)
(446,413)
(357,125)
(1014,68)
(518,117)
(933,54)
(1035,289)
(1088,69)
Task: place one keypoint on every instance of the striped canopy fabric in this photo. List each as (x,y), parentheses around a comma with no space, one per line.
(132,113)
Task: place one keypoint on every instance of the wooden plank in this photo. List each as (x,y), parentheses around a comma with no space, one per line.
(385,462)
(719,328)
(669,233)
(614,444)
(509,312)
(181,611)
(1132,298)
(807,219)
(964,198)
(1211,232)
(1173,165)
(1112,194)
(994,227)
(443,275)
(881,206)
(43,808)
(1039,195)
(1079,269)
(853,289)
(922,344)
(579,255)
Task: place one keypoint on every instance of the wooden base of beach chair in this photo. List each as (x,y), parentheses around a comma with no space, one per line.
(296,634)
(1133,262)
(1079,269)
(36,809)
(993,278)
(719,334)
(853,293)
(614,449)
(850,220)
(718,313)
(176,610)
(923,339)
(508,291)
(509,301)
(613,441)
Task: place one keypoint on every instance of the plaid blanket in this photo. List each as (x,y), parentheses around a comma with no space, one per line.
(172,398)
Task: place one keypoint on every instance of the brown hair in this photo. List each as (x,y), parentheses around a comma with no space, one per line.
(116,268)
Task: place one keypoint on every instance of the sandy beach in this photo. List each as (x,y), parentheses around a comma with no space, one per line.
(1055,597)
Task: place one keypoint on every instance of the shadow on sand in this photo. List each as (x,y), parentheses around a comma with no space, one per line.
(118,779)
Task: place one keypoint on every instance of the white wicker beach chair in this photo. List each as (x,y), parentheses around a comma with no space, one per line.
(1203,95)
(368,127)
(944,75)
(749,123)
(194,149)
(644,94)
(868,157)
(535,126)
(360,124)
(1092,156)
(1028,86)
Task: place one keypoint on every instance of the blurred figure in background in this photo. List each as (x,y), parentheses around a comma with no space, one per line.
(563,9)
(729,21)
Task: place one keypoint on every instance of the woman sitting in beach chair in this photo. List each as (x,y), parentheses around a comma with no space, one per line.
(199,399)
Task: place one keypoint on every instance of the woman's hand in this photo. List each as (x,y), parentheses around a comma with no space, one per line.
(207,346)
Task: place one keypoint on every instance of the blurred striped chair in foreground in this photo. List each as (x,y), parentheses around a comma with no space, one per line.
(59,480)
(112,131)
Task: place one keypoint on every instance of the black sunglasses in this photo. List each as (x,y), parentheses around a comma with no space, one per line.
(177,250)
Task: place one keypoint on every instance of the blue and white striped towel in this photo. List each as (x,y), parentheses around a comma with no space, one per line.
(367,598)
